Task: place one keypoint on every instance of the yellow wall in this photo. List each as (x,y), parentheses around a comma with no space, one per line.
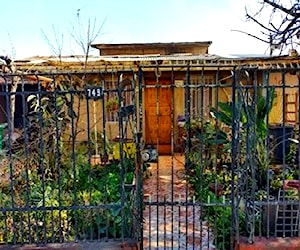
(224,94)
(275,79)
(95,119)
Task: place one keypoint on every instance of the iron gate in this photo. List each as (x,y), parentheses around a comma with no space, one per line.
(168,157)
(228,168)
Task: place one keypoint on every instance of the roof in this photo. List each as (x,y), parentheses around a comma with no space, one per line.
(119,45)
(131,61)
(157,57)
(152,48)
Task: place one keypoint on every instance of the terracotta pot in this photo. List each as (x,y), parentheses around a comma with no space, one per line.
(291,184)
(95,160)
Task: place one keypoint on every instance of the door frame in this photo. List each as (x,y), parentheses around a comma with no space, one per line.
(162,148)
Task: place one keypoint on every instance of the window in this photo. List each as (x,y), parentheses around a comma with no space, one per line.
(111,99)
(291,104)
(200,95)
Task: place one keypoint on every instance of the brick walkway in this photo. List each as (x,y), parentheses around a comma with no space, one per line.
(172,224)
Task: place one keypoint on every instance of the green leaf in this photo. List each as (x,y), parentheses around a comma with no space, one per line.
(59,101)
(115,212)
(68,97)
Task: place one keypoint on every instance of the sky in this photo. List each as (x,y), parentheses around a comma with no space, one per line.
(23,24)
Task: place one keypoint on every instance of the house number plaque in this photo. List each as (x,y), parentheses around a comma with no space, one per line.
(94,92)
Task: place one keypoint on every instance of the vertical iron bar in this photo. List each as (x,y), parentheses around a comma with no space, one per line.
(52,223)
(10,132)
(37,226)
(4,94)
(141,113)
(201,148)
(234,143)
(266,85)
(165,221)
(140,177)
(21,94)
(58,156)
(298,145)
(217,84)
(122,170)
(73,134)
(41,152)
(194,220)
(26,180)
(254,164)
(138,167)
(90,181)
(283,80)
(5,228)
(150,224)
(158,89)
(28,205)
(179,220)
(172,154)
(104,85)
(188,148)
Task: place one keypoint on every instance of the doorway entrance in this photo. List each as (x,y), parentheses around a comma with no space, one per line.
(158,115)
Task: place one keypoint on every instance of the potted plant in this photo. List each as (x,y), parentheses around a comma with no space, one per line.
(101,148)
(112,104)
(210,138)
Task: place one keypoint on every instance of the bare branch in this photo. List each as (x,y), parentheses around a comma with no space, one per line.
(280,7)
(257,22)
(56,47)
(283,26)
(256,37)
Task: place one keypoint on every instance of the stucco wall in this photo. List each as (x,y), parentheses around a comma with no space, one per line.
(291,81)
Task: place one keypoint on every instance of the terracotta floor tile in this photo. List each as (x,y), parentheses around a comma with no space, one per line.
(172,226)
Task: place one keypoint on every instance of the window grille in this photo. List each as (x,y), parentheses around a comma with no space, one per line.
(111,111)
(201,96)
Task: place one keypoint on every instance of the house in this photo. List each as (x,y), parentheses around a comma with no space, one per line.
(163,70)
(167,84)
(161,63)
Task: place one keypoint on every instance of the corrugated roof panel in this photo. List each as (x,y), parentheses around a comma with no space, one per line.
(159,57)
(77,61)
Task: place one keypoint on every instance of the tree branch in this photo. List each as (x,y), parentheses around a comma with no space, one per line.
(283,23)
(256,37)
(280,7)
(259,23)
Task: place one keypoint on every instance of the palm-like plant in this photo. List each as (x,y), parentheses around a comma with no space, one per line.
(254,113)
(250,128)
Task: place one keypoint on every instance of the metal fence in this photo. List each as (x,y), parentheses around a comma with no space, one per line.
(169,157)
(232,169)
(68,171)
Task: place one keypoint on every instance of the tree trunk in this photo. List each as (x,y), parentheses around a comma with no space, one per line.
(13,91)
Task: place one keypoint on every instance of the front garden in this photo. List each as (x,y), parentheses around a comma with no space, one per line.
(234,172)
(76,202)
(50,191)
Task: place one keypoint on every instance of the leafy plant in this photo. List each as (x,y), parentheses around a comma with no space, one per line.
(45,174)
(251,128)
(247,118)
(210,140)
(112,104)
(100,145)
(254,112)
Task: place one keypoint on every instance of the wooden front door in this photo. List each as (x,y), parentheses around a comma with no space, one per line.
(158,116)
